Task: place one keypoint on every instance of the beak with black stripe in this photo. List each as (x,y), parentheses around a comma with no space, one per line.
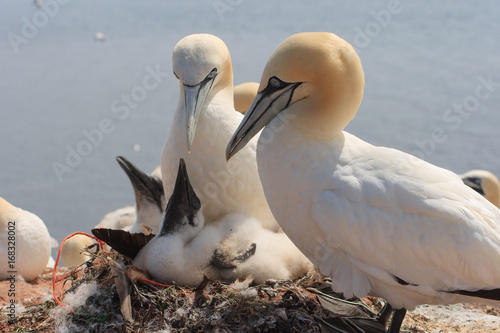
(183,205)
(146,187)
(194,98)
(268,103)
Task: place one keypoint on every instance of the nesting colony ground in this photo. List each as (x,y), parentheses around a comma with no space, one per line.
(93,305)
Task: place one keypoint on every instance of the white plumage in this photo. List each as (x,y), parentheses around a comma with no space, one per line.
(377,220)
(203,65)
(235,247)
(29,243)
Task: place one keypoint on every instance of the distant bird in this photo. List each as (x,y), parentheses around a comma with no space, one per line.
(203,123)
(186,249)
(485,183)
(119,219)
(99,37)
(72,253)
(243,96)
(379,221)
(25,243)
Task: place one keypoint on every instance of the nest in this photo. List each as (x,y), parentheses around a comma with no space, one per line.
(123,301)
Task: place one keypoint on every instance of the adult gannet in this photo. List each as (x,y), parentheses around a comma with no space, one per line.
(186,250)
(485,183)
(25,243)
(244,94)
(202,64)
(379,221)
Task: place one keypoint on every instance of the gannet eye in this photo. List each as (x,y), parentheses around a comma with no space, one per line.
(212,74)
(275,82)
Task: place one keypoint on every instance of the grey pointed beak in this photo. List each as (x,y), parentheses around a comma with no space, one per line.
(265,107)
(146,187)
(194,99)
(183,204)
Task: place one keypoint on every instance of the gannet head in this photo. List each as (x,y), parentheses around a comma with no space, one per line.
(148,191)
(243,95)
(317,77)
(183,208)
(485,183)
(202,64)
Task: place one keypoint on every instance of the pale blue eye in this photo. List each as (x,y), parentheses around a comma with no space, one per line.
(275,82)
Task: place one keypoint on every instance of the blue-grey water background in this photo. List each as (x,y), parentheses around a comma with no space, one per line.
(419,62)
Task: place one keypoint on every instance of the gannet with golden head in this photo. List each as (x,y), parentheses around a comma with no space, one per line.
(203,123)
(25,243)
(379,221)
(485,183)
(244,94)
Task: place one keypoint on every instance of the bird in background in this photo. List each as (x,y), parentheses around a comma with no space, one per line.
(25,243)
(377,220)
(485,183)
(203,124)
(244,94)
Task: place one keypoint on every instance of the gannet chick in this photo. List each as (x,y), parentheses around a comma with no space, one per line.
(185,250)
(203,123)
(149,196)
(249,250)
(243,96)
(120,218)
(25,243)
(379,221)
(170,256)
(72,253)
(485,183)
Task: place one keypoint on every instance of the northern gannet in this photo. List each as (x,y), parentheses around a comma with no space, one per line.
(203,123)
(186,250)
(379,221)
(244,94)
(25,243)
(485,183)
(72,253)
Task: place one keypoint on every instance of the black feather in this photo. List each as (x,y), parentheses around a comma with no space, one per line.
(123,242)
(492,294)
